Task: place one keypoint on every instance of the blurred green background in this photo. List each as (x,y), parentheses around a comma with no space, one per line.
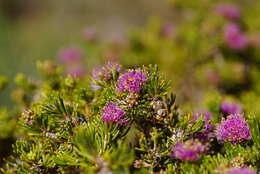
(195,57)
(33,30)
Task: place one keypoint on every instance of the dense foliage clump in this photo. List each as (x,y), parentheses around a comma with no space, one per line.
(127,123)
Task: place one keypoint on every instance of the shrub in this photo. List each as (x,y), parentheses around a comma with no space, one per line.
(129,124)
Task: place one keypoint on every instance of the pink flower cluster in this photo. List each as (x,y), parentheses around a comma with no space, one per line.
(228,11)
(71,58)
(113,114)
(132,81)
(234,38)
(229,108)
(69,55)
(244,170)
(190,150)
(234,129)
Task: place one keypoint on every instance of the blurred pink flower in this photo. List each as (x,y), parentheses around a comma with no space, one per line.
(244,170)
(89,34)
(167,30)
(105,72)
(228,11)
(69,55)
(234,38)
(228,107)
(76,72)
(191,150)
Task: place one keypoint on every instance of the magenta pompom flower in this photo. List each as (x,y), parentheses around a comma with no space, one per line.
(229,108)
(191,150)
(132,81)
(105,72)
(234,38)
(113,114)
(228,11)
(234,129)
(244,170)
(69,55)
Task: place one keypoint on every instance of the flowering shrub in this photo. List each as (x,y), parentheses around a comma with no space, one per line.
(128,120)
(130,124)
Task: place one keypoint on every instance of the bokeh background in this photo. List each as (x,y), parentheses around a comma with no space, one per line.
(32,30)
(187,39)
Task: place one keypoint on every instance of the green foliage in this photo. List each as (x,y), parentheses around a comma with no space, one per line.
(61,128)
(64,131)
